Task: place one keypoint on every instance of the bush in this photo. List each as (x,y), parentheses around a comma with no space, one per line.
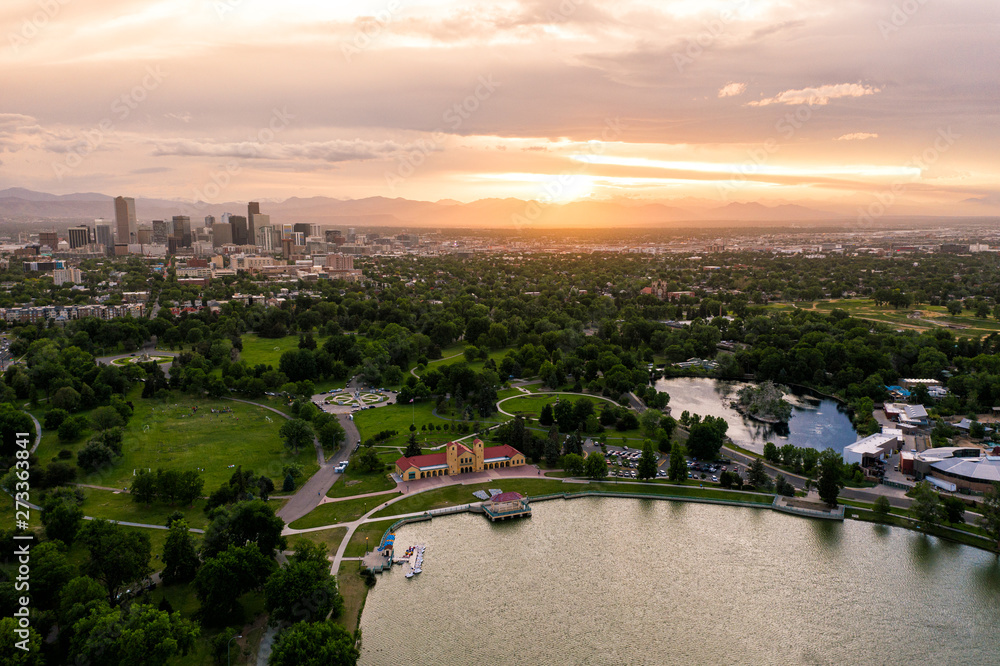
(882,506)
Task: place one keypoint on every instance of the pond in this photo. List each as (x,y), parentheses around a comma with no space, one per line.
(816,422)
(623,581)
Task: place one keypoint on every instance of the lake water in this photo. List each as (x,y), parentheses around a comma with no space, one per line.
(621,581)
(819,423)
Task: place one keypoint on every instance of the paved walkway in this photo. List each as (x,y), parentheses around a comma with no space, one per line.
(437,360)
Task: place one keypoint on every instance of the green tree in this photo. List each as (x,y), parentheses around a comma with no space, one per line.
(882,506)
(179,556)
(10,645)
(596,466)
(926,505)
(49,573)
(222,579)
(105,418)
(331,434)
(705,439)
(412,446)
(830,477)
(368,460)
(62,517)
(650,422)
(323,643)
(757,475)
(678,465)
(296,434)
(646,469)
(119,556)
(989,510)
(953,509)
(242,523)
(139,634)
(302,591)
(552,448)
(572,463)
(546,418)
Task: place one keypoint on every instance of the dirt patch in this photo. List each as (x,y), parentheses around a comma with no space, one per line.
(352,483)
(802,504)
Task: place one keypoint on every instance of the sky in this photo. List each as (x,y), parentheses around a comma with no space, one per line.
(847,105)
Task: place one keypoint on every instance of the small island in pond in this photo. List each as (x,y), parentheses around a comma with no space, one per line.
(763,402)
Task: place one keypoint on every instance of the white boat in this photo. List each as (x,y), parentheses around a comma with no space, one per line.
(417,570)
(409,574)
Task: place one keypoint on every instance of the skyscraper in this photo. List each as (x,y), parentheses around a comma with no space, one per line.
(162,230)
(253,208)
(209,220)
(182,229)
(240,232)
(125,220)
(79,236)
(222,234)
(105,235)
(267,239)
(257,221)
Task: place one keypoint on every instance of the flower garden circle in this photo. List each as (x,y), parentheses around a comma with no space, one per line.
(364,399)
(143,358)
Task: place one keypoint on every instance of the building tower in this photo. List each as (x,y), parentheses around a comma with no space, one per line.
(78,236)
(125,220)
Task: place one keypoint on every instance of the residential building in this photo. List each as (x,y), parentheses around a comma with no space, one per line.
(61,276)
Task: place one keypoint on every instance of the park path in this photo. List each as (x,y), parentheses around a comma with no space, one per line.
(540,393)
(437,360)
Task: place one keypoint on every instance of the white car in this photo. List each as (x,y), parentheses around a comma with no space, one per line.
(339,469)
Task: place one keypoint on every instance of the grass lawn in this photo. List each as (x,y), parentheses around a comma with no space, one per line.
(373,531)
(930,317)
(331,538)
(353,589)
(340,512)
(167,433)
(355,482)
(531,406)
(268,351)
(370,422)
(119,506)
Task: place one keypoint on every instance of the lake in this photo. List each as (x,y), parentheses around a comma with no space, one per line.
(816,422)
(622,581)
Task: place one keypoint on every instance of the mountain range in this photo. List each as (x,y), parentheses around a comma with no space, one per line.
(20,204)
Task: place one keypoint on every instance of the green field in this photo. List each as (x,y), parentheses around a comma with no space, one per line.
(531,406)
(355,482)
(119,506)
(344,511)
(331,538)
(354,591)
(169,434)
(919,317)
(268,351)
(399,417)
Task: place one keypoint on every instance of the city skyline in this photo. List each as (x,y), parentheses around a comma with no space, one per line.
(865,105)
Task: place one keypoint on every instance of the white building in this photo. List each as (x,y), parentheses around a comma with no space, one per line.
(61,276)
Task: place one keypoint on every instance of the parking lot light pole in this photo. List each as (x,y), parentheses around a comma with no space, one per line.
(228,643)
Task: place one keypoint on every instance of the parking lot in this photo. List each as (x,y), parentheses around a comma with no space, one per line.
(623,463)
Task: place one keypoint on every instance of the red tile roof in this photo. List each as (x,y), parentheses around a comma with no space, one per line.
(426,460)
(500,452)
(507,497)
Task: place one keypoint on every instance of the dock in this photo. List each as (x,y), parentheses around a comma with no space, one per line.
(505,506)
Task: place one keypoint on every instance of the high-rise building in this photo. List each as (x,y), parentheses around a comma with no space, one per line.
(351,235)
(104,235)
(302,228)
(286,230)
(253,209)
(256,221)
(334,236)
(222,234)
(267,239)
(182,229)
(48,238)
(162,229)
(299,237)
(125,220)
(209,220)
(145,236)
(240,232)
(78,236)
